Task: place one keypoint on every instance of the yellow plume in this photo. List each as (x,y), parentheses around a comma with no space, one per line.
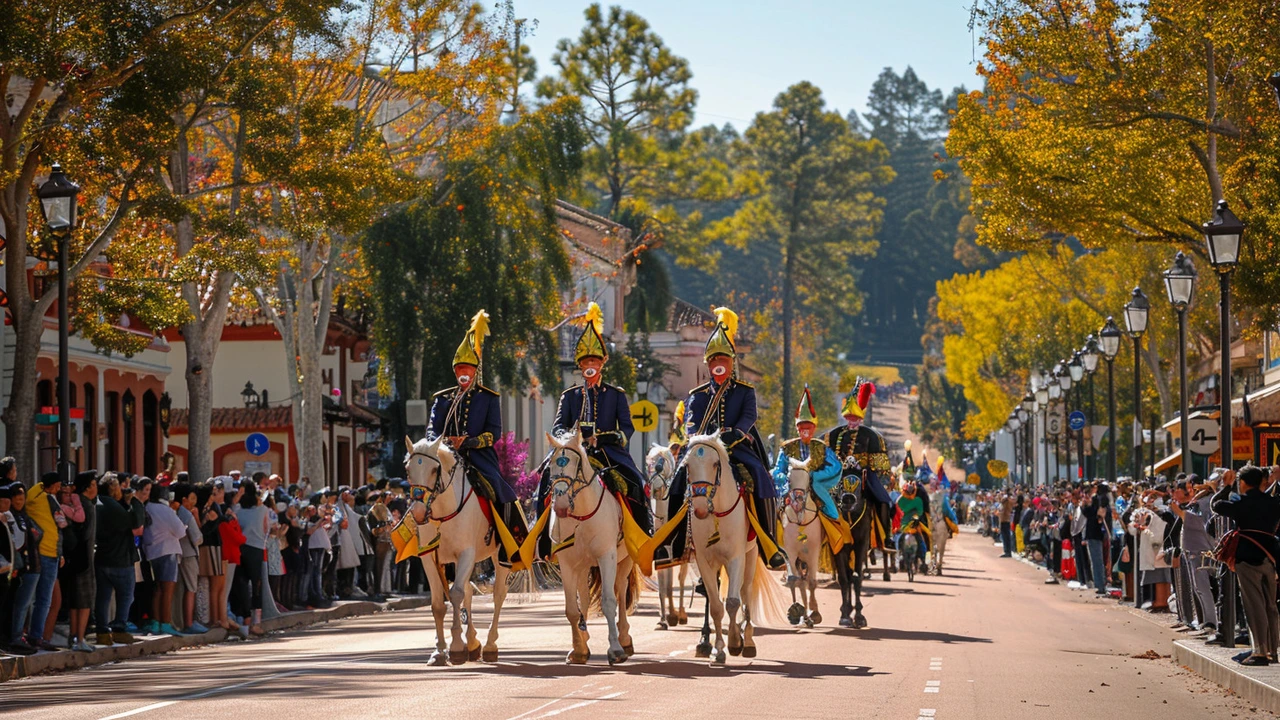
(480,330)
(906,445)
(729,319)
(595,317)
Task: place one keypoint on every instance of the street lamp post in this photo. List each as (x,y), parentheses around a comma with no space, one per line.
(1076,368)
(1089,358)
(1136,312)
(1180,282)
(1109,337)
(1064,381)
(58,201)
(1042,404)
(1223,234)
(1025,413)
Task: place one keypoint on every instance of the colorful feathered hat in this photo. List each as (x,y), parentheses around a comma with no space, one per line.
(721,340)
(909,462)
(591,342)
(471,349)
(858,399)
(804,411)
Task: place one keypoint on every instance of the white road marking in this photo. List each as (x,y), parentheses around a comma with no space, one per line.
(927,712)
(933,683)
(932,689)
(566,696)
(578,705)
(204,694)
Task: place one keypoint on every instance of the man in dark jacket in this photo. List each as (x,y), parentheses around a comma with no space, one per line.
(1256,515)
(113,560)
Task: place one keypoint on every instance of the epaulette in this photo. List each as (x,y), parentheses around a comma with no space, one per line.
(446,391)
(748,386)
(570,389)
(619,389)
(488,390)
(700,388)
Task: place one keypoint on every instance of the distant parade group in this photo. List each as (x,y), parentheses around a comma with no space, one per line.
(716,501)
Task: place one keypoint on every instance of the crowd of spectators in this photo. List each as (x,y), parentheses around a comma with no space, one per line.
(113,557)
(1165,546)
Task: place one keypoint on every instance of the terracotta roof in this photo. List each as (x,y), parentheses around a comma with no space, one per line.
(225,419)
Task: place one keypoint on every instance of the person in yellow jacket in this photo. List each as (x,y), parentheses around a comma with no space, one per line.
(43,508)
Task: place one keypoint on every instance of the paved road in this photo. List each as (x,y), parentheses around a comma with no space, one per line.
(986,641)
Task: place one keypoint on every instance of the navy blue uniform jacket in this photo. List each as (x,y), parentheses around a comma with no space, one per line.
(479,418)
(611,412)
(735,417)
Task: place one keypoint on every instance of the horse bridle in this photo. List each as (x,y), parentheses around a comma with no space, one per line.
(431,492)
(562,483)
(708,489)
(664,482)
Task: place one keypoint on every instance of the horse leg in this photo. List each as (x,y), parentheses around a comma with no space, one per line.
(568,576)
(841,561)
(665,613)
(811,581)
(684,578)
(714,611)
(500,575)
(458,598)
(609,605)
(733,603)
(435,581)
(620,592)
(859,561)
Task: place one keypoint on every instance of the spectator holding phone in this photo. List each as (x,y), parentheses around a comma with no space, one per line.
(162,546)
(255,526)
(1256,515)
(209,497)
(118,518)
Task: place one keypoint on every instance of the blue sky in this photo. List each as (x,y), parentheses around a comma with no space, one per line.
(744,53)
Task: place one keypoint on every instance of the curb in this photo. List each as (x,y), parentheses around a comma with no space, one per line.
(13,668)
(1224,671)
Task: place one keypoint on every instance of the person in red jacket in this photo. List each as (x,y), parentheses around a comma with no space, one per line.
(232,539)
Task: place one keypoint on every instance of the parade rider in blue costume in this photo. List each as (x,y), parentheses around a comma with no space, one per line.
(821,461)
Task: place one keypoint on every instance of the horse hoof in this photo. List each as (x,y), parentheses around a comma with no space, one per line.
(846,622)
(735,651)
(859,622)
(458,658)
(718,659)
(673,619)
(629,649)
(815,617)
(474,654)
(749,651)
(438,659)
(662,625)
(489,655)
(575,659)
(808,622)
(703,650)
(684,616)
(617,657)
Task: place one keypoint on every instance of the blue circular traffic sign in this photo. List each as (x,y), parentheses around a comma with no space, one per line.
(257,444)
(1076,420)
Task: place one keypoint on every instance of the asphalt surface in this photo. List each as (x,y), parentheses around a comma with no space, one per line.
(986,640)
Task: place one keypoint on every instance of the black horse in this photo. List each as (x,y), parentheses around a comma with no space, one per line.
(862,513)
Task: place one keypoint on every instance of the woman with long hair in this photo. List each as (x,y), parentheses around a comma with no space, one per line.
(209,497)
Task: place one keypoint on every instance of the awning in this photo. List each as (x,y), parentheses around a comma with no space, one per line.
(1174,460)
(1264,405)
(1175,428)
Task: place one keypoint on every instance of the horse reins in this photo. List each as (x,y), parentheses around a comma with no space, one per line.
(578,480)
(437,490)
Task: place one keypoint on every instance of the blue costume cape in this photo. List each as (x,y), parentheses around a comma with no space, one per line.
(478,417)
(822,478)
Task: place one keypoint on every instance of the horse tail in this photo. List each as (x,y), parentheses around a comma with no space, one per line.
(766,599)
(595,591)
(631,596)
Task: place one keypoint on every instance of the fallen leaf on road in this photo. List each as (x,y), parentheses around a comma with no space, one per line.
(1148,655)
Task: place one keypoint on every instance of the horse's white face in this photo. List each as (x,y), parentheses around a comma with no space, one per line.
(661,465)
(709,473)
(800,484)
(427,462)
(570,471)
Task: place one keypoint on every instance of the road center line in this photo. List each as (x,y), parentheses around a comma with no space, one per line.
(575,706)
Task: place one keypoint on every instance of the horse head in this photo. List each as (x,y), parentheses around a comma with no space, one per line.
(426,464)
(851,488)
(661,465)
(707,462)
(799,484)
(570,470)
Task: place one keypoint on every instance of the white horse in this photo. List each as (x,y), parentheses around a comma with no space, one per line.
(940,531)
(662,468)
(452,528)
(586,536)
(720,534)
(802,538)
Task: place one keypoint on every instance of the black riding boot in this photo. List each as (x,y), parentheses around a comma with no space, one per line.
(540,500)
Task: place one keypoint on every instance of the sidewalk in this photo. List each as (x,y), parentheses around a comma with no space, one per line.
(14,667)
(1258,685)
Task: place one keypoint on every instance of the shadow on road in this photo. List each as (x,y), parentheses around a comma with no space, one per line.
(546,665)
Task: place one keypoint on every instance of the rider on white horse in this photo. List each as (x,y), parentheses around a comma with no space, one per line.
(823,465)
(942,518)
(469,418)
(603,416)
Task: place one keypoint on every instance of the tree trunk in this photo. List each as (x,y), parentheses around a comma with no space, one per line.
(788,310)
(20,413)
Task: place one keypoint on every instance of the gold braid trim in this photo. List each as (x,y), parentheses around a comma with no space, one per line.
(484,440)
